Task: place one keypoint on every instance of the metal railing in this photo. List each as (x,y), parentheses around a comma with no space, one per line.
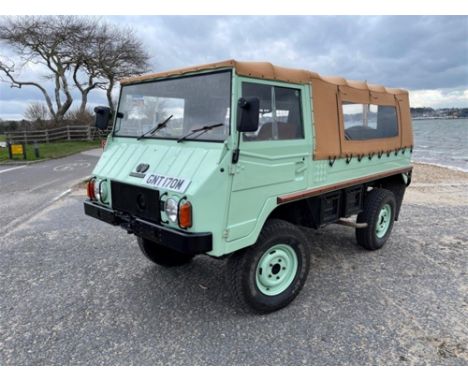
(65,133)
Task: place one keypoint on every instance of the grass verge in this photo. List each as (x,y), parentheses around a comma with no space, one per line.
(52,150)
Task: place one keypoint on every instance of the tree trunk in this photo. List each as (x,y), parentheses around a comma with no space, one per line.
(84,101)
(68,100)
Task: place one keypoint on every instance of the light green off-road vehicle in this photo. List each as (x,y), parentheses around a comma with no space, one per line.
(229,159)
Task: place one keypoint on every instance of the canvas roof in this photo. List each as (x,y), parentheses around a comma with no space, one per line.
(266,70)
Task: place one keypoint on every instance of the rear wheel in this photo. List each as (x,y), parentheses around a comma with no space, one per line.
(161,255)
(379,214)
(270,274)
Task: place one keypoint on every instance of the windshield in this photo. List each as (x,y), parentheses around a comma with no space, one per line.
(193,102)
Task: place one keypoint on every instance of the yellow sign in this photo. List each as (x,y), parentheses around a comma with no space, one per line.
(17,149)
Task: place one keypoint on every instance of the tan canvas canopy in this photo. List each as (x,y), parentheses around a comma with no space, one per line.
(328,93)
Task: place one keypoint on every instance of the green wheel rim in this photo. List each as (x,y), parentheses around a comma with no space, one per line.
(276,269)
(383,221)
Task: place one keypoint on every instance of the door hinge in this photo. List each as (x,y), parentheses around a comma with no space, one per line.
(235,156)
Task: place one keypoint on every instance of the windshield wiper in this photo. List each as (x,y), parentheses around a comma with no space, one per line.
(201,130)
(160,125)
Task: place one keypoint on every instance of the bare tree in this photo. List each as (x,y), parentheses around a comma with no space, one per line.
(38,113)
(120,54)
(86,72)
(93,53)
(42,40)
(79,117)
(104,54)
(36,110)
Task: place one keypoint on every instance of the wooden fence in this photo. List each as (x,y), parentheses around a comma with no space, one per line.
(66,133)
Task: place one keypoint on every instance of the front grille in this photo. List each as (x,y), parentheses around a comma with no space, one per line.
(136,201)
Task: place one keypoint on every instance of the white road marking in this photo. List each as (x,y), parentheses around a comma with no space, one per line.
(61,195)
(21,220)
(11,169)
(72,166)
(56,180)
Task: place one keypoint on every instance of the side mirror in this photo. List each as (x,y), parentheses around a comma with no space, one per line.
(248,110)
(103,114)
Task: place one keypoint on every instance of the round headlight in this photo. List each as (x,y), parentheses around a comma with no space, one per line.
(100,190)
(96,189)
(171,208)
(103,193)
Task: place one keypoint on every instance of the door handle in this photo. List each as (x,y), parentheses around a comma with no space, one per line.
(300,167)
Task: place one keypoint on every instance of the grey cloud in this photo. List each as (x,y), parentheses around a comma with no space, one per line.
(404,51)
(8,93)
(413,52)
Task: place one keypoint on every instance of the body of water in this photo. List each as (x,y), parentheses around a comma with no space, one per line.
(441,141)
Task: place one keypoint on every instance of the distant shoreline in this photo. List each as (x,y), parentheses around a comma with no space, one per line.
(431,118)
(442,166)
(437,186)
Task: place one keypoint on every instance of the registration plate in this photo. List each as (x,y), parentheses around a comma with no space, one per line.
(166,182)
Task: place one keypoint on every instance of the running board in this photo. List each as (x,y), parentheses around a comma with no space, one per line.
(351,224)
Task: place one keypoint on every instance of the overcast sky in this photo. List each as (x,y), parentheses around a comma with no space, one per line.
(426,55)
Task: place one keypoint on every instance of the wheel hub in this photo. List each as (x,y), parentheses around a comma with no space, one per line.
(383,221)
(276,269)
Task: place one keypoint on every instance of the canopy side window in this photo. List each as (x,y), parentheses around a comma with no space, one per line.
(280,112)
(367,121)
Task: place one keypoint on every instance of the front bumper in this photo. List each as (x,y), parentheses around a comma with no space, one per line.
(184,242)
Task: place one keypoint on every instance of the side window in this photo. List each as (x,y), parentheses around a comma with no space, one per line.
(363,121)
(280,112)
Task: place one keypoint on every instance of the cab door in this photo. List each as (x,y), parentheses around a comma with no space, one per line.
(274,159)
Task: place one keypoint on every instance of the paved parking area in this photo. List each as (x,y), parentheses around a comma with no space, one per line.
(77,291)
(27,189)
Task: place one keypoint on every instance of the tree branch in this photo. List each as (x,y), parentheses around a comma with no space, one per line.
(15,83)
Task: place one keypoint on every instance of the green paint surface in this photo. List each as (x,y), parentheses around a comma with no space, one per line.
(233,201)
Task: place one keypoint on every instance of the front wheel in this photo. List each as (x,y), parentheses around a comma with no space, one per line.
(379,214)
(161,255)
(270,274)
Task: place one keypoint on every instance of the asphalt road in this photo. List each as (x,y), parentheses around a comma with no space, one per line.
(27,189)
(76,291)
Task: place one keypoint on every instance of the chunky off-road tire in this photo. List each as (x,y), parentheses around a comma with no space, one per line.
(161,255)
(270,274)
(379,214)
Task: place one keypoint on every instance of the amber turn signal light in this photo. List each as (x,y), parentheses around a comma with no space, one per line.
(185,215)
